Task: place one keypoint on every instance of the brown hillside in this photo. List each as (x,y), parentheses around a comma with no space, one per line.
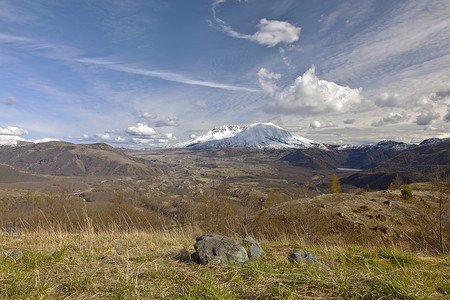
(10,174)
(363,218)
(425,159)
(66,159)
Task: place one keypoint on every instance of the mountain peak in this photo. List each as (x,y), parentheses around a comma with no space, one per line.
(257,135)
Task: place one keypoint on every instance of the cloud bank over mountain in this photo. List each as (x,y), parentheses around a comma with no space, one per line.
(309,94)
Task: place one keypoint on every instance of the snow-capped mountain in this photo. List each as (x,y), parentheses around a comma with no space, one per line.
(385,145)
(216,133)
(258,135)
(433,141)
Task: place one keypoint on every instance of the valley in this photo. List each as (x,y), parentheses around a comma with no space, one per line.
(93,221)
(249,188)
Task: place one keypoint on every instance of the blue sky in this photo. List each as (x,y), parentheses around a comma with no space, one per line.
(146,73)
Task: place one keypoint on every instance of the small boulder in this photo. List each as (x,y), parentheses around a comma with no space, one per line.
(359,258)
(306,257)
(14,254)
(303,256)
(253,248)
(218,250)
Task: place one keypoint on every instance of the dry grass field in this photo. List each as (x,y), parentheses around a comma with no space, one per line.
(156,265)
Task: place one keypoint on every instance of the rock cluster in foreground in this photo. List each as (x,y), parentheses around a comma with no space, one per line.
(215,249)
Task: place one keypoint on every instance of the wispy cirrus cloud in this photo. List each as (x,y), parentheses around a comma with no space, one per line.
(169,76)
(418,30)
(70,54)
(43,49)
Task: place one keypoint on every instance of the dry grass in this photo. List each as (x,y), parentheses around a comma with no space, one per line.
(157,265)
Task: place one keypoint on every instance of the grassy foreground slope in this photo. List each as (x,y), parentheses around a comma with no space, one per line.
(157,265)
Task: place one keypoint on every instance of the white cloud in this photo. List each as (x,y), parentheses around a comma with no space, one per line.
(10,140)
(315,124)
(309,94)
(393,118)
(11,130)
(148,115)
(103,136)
(143,141)
(11,101)
(45,140)
(270,32)
(266,80)
(426,118)
(141,129)
(170,136)
(149,142)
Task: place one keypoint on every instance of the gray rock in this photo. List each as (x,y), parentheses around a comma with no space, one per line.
(303,256)
(306,257)
(14,254)
(359,258)
(253,248)
(9,230)
(218,250)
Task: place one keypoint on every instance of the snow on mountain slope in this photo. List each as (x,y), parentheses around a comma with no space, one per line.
(398,146)
(216,133)
(258,135)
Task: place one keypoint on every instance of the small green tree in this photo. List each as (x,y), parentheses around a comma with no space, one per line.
(391,186)
(335,187)
(407,192)
(368,189)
